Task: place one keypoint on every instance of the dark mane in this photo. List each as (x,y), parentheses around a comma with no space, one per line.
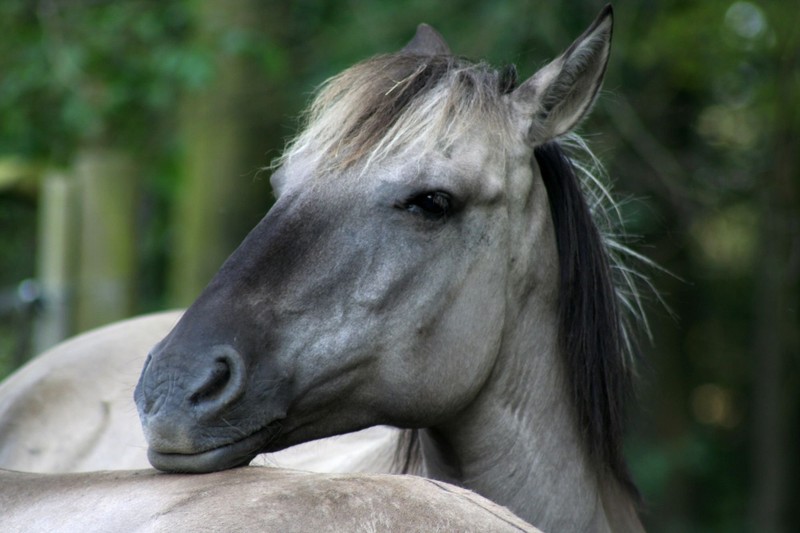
(591,333)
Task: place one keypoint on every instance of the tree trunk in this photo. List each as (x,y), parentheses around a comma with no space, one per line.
(56,259)
(222,196)
(776,307)
(107,179)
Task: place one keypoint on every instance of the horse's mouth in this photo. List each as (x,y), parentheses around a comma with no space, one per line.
(232,455)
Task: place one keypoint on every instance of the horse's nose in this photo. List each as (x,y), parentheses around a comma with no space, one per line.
(201,391)
(178,402)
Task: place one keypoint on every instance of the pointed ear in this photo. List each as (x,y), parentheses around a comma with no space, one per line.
(427,42)
(555,99)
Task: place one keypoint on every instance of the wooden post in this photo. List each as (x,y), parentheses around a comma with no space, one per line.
(56,259)
(107,180)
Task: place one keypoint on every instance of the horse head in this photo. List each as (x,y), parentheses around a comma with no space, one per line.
(411,234)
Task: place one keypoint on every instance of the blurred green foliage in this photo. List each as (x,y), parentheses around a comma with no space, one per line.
(698,124)
(79,71)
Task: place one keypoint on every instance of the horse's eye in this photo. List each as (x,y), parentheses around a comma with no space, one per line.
(433,205)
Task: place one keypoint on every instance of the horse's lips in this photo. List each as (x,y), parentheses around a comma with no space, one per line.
(235,454)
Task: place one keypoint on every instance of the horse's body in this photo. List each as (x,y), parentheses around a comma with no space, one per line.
(249,499)
(70,410)
(430,263)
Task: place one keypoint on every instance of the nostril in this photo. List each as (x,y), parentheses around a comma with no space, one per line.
(222,383)
(214,384)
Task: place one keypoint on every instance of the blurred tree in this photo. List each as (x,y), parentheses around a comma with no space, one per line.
(76,92)
(706,109)
(226,124)
(776,340)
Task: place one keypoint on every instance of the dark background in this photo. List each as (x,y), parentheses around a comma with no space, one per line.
(180,104)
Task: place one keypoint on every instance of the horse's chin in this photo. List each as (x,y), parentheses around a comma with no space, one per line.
(235,454)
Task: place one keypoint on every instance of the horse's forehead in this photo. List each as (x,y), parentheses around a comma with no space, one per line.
(473,162)
(475,165)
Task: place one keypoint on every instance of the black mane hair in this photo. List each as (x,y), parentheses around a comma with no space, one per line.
(589,316)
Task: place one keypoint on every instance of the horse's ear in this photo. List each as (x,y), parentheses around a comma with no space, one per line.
(558,96)
(427,42)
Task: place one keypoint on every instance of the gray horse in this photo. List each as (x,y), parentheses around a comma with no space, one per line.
(431,263)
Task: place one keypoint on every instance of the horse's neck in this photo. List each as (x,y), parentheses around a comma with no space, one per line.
(518,443)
